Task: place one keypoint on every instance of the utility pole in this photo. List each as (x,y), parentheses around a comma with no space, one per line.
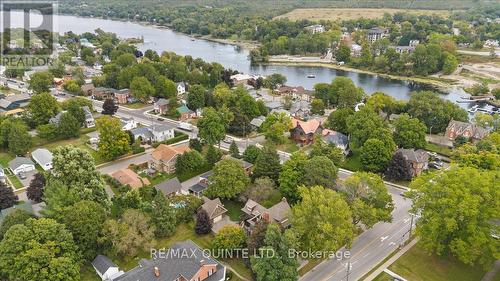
(348,268)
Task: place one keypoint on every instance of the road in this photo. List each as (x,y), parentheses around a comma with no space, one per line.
(478,53)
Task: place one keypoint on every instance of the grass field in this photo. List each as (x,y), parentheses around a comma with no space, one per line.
(349,14)
(417,265)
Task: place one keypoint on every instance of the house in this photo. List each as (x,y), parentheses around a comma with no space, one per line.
(102,93)
(304,131)
(122,96)
(2,174)
(21,165)
(14,101)
(170,187)
(273,105)
(185,261)
(89,119)
(161,132)
(417,159)
(336,138)
(467,130)
(185,113)
(22,206)
(88,89)
(316,28)
(106,269)
(296,93)
(181,88)
(376,33)
(255,212)
(164,157)
(161,106)
(128,124)
(130,178)
(257,122)
(403,49)
(241,79)
(215,209)
(198,188)
(43,157)
(491,43)
(300,109)
(356,50)
(143,133)
(413,43)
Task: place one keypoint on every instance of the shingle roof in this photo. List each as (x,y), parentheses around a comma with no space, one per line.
(42,156)
(334,137)
(166,153)
(129,177)
(199,187)
(141,131)
(102,264)
(214,208)
(309,127)
(169,186)
(18,161)
(413,155)
(160,127)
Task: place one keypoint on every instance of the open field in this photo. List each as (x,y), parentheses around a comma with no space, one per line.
(349,14)
(415,264)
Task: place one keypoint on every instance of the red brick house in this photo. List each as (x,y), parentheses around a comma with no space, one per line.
(304,131)
(121,96)
(418,160)
(468,130)
(296,93)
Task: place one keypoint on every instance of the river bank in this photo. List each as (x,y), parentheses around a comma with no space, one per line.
(442,85)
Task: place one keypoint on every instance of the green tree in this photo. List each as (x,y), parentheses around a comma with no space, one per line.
(189,162)
(366,58)
(337,120)
(233,150)
(362,124)
(196,97)
(317,107)
(42,107)
(322,221)
(458,208)
(41,81)
(24,245)
(274,80)
(450,63)
(69,126)
(211,127)
(141,88)
(343,53)
(230,237)
(47,132)
(84,220)
(320,170)
(368,198)
(72,86)
(228,180)
(292,176)
(213,155)
(332,152)
(113,141)
(275,126)
(344,93)
(163,217)
(375,155)
(19,140)
(18,216)
(251,153)
(379,102)
(267,164)
(409,132)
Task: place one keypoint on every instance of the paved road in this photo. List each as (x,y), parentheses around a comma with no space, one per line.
(125,163)
(371,247)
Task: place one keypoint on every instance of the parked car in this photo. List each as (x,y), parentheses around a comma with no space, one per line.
(160,119)
(436,165)
(227,140)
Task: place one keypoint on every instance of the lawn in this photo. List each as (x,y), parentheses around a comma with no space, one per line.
(417,265)
(349,14)
(353,162)
(4,161)
(87,273)
(383,277)
(135,105)
(289,146)
(309,265)
(446,151)
(234,209)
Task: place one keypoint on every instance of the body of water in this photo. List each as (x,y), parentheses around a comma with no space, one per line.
(234,57)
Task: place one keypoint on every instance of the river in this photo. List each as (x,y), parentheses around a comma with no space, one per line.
(234,57)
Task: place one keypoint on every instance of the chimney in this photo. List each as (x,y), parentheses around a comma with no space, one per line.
(157,271)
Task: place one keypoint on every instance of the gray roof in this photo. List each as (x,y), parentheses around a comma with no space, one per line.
(273,104)
(199,187)
(18,161)
(88,114)
(160,128)
(336,138)
(141,131)
(169,186)
(413,155)
(161,101)
(42,156)
(171,266)
(257,121)
(56,119)
(214,208)
(102,264)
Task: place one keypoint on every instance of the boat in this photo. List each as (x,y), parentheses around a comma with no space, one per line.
(311,76)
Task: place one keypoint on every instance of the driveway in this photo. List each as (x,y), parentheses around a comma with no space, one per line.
(124,163)
(29,176)
(223,222)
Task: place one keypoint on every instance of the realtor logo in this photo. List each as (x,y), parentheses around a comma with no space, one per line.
(28,33)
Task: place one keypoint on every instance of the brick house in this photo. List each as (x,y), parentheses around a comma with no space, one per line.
(122,96)
(304,131)
(161,106)
(164,157)
(296,93)
(468,130)
(102,93)
(418,160)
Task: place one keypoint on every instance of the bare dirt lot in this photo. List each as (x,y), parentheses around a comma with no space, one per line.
(348,14)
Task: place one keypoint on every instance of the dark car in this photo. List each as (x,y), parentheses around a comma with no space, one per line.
(160,119)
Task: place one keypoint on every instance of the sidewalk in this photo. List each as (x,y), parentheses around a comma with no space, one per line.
(390,261)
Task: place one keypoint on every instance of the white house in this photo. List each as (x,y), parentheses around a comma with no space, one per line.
(317,28)
(491,43)
(181,88)
(21,165)
(43,157)
(128,124)
(89,119)
(106,269)
(2,174)
(161,132)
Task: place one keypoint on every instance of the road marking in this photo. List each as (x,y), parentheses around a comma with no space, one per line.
(382,238)
(366,255)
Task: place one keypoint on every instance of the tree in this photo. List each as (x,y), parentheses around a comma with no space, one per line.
(274,80)
(251,153)
(228,180)
(233,150)
(19,140)
(399,169)
(85,220)
(130,234)
(141,88)
(190,204)
(436,113)
(320,170)
(211,127)
(213,155)
(18,216)
(380,102)
(109,107)
(337,120)
(36,187)
(257,235)
(281,265)
(331,151)
(41,81)
(188,162)
(457,209)
(317,107)
(267,164)
(275,126)
(196,145)
(113,141)
(375,155)
(366,58)
(260,191)
(322,221)
(230,237)
(409,132)
(42,107)
(163,217)
(292,176)
(344,93)
(47,131)
(196,97)
(72,86)
(203,223)
(69,126)
(362,125)
(368,198)
(39,249)
(7,196)
(165,88)
(450,63)
(343,53)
